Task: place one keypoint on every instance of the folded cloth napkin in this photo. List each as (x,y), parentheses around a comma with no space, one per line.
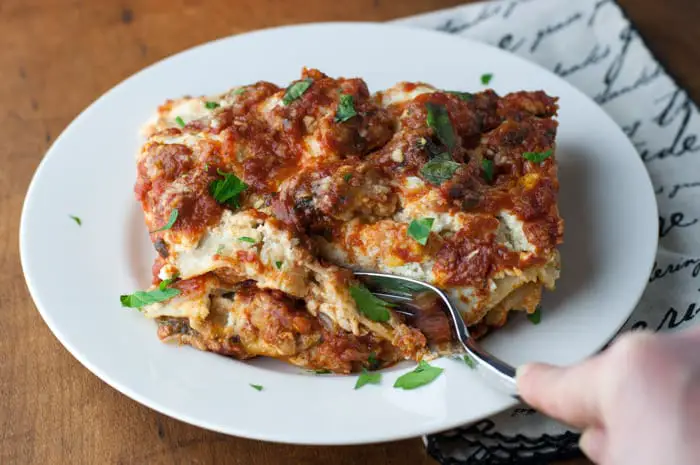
(593,45)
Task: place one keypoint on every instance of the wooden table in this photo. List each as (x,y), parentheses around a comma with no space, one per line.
(57,56)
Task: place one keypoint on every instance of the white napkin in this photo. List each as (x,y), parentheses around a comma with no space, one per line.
(593,45)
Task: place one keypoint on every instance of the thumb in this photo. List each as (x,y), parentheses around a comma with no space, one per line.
(570,394)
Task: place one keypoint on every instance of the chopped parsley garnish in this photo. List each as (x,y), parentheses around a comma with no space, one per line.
(257,387)
(537,157)
(180,121)
(239,91)
(487,167)
(296,90)
(465,96)
(434,150)
(321,371)
(369,305)
(165,283)
(278,265)
(439,121)
(142,298)
(219,249)
(346,109)
(422,375)
(440,169)
(211,105)
(77,220)
(420,229)
(170,223)
(247,239)
(367,378)
(372,361)
(347,177)
(228,189)
(486,78)
(536,316)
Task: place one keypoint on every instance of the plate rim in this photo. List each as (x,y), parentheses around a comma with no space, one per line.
(241,431)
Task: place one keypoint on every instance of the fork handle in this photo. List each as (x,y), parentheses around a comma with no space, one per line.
(498,372)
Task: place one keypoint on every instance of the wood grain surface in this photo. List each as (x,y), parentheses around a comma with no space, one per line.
(56,57)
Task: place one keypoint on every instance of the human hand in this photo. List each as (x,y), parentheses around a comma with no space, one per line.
(637,403)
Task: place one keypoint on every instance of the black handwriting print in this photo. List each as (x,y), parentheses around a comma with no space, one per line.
(488,12)
(679,187)
(554,28)
(597,55)
(692,264)
(507,43)
(672,318)
(596,10)
(612,87)
(677,220)
(680,110)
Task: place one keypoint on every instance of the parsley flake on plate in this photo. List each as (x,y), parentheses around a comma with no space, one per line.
(247,239)
(211,105)
(171,221)
(228,189)
(537,157)
(77,220)
(321,371)
(440,169)
(347,177)
(369,305)
(367,378)
(422,375)
(278,264)
(296,90)
(257,387)
(420,230)
(486,78)
(466,359)
(439,121)
(346,109)
(239,91)
(142,298)
(180,122)
(536,316)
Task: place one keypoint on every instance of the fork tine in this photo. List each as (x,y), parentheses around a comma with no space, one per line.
(501,373)
(400,299)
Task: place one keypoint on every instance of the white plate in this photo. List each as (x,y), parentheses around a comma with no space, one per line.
(76,274)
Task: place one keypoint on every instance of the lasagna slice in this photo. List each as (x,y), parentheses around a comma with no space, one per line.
(262,201)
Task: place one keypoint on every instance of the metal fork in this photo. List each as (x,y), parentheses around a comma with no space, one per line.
(494,369)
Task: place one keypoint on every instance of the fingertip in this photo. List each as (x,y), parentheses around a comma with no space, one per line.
(529,377)
(593,442)
(559,392)
(522,371)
